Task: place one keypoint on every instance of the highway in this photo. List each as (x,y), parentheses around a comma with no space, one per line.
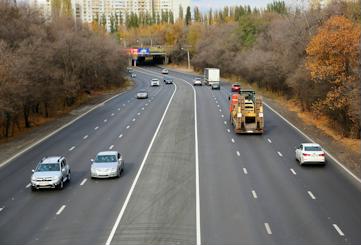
(188,178)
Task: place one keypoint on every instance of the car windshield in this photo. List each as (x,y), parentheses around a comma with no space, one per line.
(45,167)
(154,79)
(142,91)
(236,85)
(105,158)
(313,148)
(197,79)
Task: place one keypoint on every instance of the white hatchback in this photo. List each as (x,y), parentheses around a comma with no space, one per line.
(310,153)
(154,82)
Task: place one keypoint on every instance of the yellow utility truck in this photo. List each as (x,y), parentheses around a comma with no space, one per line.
(246,112)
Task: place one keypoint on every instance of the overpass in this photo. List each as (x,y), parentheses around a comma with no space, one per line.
(147,55)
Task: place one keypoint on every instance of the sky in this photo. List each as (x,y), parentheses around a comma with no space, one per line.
(204,5)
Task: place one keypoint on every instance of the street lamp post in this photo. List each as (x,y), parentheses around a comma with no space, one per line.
(188,57)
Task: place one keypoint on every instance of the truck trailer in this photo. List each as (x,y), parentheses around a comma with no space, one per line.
(211,75)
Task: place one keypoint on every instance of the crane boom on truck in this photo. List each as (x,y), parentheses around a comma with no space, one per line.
(246,112)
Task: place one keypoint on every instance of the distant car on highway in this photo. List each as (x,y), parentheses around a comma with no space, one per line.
(310,153)
(154,82)
(165,71)
(51,172)
(197,81)
(142,94)
(236,87)
(168,80)
(216,85)
(133,75)
(107,164)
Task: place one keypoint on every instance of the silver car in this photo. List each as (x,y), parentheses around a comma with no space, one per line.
(142,94)
(51,172)
(107,164)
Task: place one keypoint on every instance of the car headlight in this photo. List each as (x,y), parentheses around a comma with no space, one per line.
(55,178)
(33,178)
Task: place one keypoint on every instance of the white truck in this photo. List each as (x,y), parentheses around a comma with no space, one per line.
(211,76)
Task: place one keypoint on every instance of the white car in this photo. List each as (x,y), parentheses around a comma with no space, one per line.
(165,71)
(197,81)
(154,82)
(107,164)
(310,153)
(142,94)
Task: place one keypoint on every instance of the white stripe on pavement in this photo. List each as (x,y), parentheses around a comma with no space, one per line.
(268,228)
(85,137)
(127,127)
(60,209)
(83,182)
(269,140)
(338,230)
(232,140)
(133,119)
(28,185)
(254,194)
(2,208)
(238,154)
(293,171)
(71,148)
(111,147)
(311,195)
(280,154)
(96,128)
(245,171)
(228,130)
(120,136)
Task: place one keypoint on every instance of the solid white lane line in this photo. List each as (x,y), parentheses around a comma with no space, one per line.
(111,147)
(311,140)
(128,127)
(83,182)
(311,195)
(96,128)
(61,209)
(245,171)
(232,140)
(105,120)
(71,148)
(125,204)
(268,228)
(293,171)
(254,194)
(338,230)
(228,130)
(280,154)
(85,137)
(133,119)
(238,154)
(28,185)
(120,136)
(269,140)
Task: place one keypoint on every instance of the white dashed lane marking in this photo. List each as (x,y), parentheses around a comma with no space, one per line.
(105,120)
(85,137)
(293,171)
(112,115)
(138,113)
(2,208)
(96,128)
(254,194)
(245,171)
(225,122)
(61,209)
(269,140)
(222,115)
(268,228)
(311,195)
(280,154)
(338,230)
(146,104)
(232,140)
(118,109)
(217,105)
(220,110)
(120,136)
(111,147)
(238,154)
(28,185)
(83,182)
(133,119)
(71,148)
(128,127)
(123,104)
(228,130)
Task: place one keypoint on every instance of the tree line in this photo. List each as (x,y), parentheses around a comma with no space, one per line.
(46,66)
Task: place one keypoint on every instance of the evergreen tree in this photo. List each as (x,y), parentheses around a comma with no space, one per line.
(171,17)
(188,19)
(181,14)
(197,14)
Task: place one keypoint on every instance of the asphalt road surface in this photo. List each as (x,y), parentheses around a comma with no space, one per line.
(188,179)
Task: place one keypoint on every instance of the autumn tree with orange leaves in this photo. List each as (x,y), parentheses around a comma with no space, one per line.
(333,61)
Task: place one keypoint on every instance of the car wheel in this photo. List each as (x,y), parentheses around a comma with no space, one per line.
(33,188)
(61,185)
(68,177)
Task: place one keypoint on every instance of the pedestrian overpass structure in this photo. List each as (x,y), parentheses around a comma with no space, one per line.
(147,55)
